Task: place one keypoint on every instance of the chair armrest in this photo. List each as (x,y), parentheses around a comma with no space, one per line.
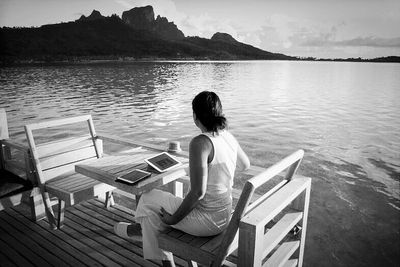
(16,145)
(22,164)
(273,205)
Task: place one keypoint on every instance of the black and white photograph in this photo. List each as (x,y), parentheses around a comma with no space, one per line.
(278,122)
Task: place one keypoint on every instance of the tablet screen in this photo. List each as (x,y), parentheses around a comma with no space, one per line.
(163,162)
(134,176)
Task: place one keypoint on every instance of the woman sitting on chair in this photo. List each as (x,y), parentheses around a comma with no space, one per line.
(206,209)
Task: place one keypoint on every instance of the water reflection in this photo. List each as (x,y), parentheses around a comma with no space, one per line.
(337,112)
(345,115)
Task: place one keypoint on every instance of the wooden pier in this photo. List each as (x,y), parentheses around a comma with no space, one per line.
(260,232)
(86,239)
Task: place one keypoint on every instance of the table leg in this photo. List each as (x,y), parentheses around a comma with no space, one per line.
(176,188)
(137,198)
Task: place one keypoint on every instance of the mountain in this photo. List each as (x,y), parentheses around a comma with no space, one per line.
(142,18)
(136,35)
(93,16)
(223,37)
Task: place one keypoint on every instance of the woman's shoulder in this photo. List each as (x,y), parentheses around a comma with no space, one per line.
(226,133)
(230,137)
(200,144)
(200,140)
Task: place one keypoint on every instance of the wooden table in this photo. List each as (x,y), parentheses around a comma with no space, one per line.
(108,168)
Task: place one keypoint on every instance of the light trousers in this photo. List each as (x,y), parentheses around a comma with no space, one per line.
(197,222)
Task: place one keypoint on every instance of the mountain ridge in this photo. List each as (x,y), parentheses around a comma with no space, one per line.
(137,35)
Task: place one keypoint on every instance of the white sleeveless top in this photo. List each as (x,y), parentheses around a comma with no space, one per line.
(221,171)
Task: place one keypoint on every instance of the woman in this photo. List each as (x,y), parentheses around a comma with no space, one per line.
(206,209)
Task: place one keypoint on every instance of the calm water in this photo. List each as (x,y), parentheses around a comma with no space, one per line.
(346,116)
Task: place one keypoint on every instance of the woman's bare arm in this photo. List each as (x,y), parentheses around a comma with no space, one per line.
(199,151)
(243,162)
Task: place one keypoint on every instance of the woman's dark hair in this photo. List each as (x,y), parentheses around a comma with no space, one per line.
(208,109)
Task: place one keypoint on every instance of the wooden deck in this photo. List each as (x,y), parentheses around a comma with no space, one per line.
(86,239)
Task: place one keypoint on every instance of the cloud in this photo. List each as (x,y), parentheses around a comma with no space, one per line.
(326,40)
(302,37)
(371,42)
(202,25)
(205,26)
(125,3)
(281,33)
(308,34)
(251,38)
(315,35)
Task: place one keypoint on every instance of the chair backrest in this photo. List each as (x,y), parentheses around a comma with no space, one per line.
(3,124)
(18,163)
(243,206)
(273,233)
(57,157)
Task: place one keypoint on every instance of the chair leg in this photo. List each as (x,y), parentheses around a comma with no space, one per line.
(169,262)
(1,157)
(61,210)
(5,154)
(49,210)
(109,200)
(192,263)
(38,210)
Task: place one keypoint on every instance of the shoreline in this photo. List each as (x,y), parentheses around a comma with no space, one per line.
(128,60)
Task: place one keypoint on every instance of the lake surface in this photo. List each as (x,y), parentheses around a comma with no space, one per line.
(346,116)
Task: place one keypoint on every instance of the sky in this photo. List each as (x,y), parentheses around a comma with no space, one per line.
(304,28)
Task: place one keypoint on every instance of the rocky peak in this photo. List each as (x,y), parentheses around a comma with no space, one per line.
(166,29)
(93,16)
(142,18)
(223,37)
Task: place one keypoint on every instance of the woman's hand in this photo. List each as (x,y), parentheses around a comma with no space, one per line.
(166,217)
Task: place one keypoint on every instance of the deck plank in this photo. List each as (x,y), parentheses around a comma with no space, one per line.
(115,243)
(85,253)
(97,243)
(86,239)
(58,238)
(118,216)
(37,234)
(20,243)
(11,257)
(96,235)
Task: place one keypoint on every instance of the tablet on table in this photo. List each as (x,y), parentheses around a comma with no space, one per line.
(163,162)
(133,176)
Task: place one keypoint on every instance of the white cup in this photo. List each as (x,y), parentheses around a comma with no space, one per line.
(174,146)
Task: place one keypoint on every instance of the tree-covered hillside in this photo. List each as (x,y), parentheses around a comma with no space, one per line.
(112,38)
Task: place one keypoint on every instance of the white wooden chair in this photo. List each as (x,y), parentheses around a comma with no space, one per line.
(55,166)
(17,183)
(253,244)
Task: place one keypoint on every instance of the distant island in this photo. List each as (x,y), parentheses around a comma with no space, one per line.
(137,35)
